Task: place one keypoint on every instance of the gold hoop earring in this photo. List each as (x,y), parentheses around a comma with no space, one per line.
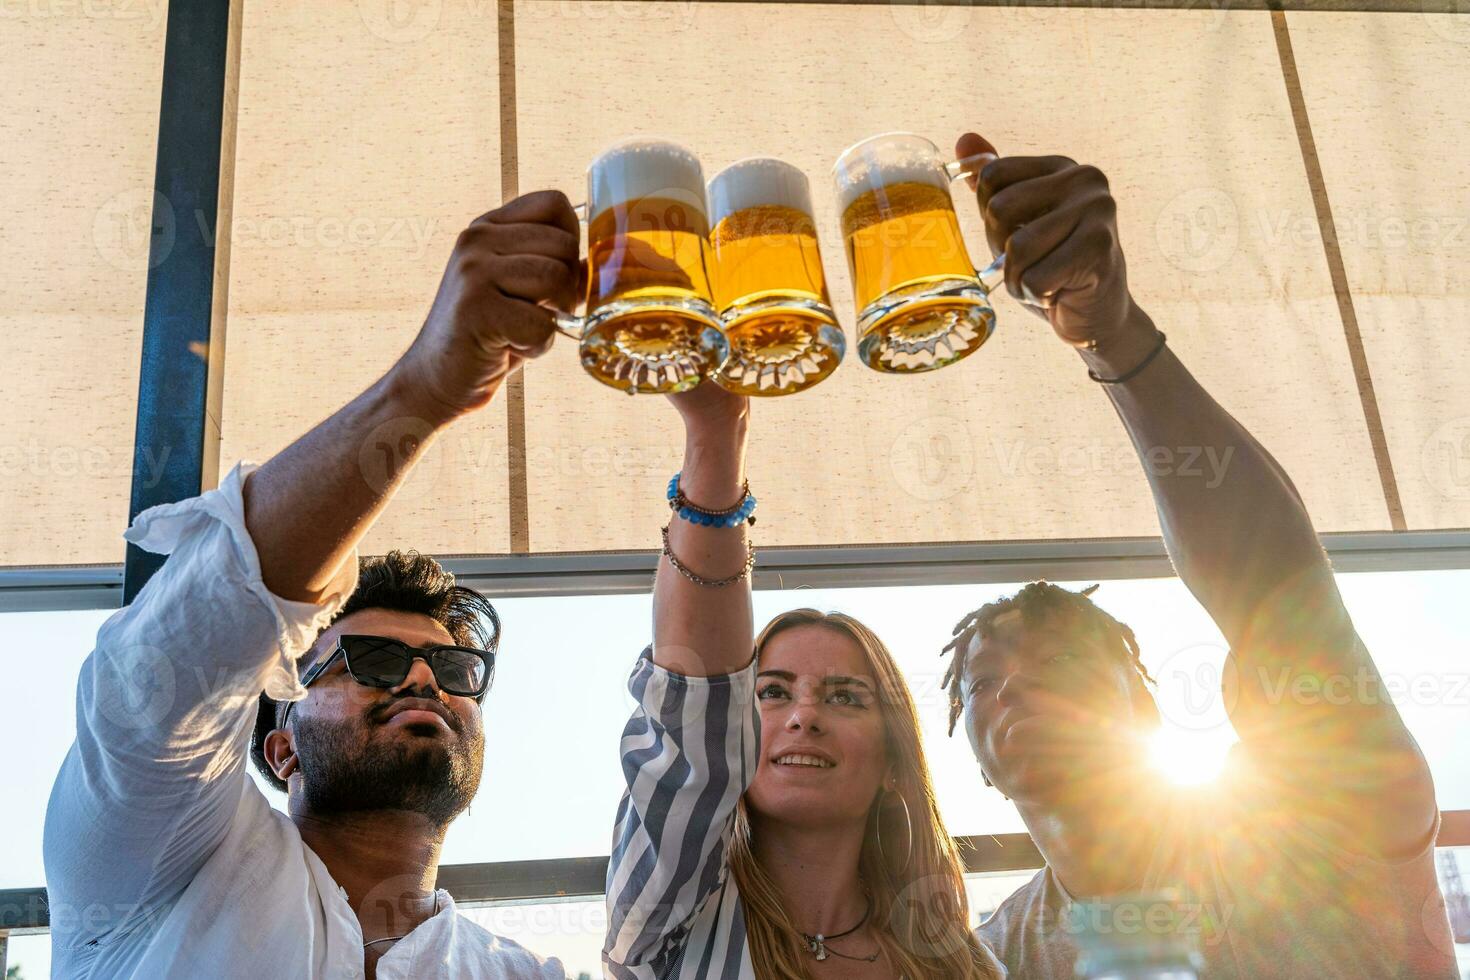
(908,854)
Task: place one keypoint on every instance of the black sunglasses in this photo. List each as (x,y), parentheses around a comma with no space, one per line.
(378,661)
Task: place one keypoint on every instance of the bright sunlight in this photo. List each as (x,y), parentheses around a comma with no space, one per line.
(1190,758)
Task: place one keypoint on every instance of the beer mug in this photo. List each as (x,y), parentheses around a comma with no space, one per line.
(770,289)
(650,325)
(921,304)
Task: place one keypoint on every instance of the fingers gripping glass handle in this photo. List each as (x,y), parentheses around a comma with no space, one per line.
(569,324)
(993,275)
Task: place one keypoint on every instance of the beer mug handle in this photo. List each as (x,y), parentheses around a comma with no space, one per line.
(569,324)
(993,274)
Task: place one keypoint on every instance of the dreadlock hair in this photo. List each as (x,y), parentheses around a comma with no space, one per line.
(1038,603)
(400,581)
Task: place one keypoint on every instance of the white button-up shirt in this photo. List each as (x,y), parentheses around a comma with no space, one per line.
(163,858)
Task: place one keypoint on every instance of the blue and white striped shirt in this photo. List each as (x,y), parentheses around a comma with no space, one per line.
(689,752)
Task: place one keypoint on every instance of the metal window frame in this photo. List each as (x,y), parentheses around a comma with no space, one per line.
(26,910)
(961,563)
(956,563)
(183,316)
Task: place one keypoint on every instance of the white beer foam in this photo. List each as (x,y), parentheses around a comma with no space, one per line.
(755,182)
(863,176)
(644,168)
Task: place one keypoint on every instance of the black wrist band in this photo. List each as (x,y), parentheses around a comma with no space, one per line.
(1130,375)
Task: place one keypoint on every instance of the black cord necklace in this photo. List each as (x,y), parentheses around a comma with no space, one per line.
(817,945)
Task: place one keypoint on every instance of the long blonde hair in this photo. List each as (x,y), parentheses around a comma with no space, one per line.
(919,907)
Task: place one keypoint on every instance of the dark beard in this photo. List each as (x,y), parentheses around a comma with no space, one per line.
(346,773)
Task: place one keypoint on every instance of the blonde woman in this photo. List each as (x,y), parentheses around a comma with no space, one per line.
(780,822)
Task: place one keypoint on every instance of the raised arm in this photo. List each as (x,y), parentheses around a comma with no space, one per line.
(166,700)
(689,751)
(309,506)
(699,630)
(1303,692)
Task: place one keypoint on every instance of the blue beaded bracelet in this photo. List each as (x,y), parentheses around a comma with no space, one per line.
(732,517)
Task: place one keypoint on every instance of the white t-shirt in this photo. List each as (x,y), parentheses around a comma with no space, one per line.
(163,858)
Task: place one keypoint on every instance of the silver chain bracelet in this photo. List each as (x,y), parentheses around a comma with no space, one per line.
(709,583)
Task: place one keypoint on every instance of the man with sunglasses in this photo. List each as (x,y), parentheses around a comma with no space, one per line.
(397,725)
(163,858)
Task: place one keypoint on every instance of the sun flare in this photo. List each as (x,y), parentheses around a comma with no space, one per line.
(1188,758)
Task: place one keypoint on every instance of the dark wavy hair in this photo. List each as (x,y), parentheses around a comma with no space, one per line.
(400,581)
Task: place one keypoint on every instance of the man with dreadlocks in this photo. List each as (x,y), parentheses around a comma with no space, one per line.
(1313,854)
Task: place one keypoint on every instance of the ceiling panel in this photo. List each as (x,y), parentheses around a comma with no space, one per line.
(1185,111)
(368,138)
(1386,95)
(78,136)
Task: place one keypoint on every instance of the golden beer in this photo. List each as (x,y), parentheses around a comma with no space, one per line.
(920,303)
(650,325)
(766,251)
(652,247)
(902,236)
(768,282)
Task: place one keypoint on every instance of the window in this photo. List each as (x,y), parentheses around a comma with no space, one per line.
(559,703)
